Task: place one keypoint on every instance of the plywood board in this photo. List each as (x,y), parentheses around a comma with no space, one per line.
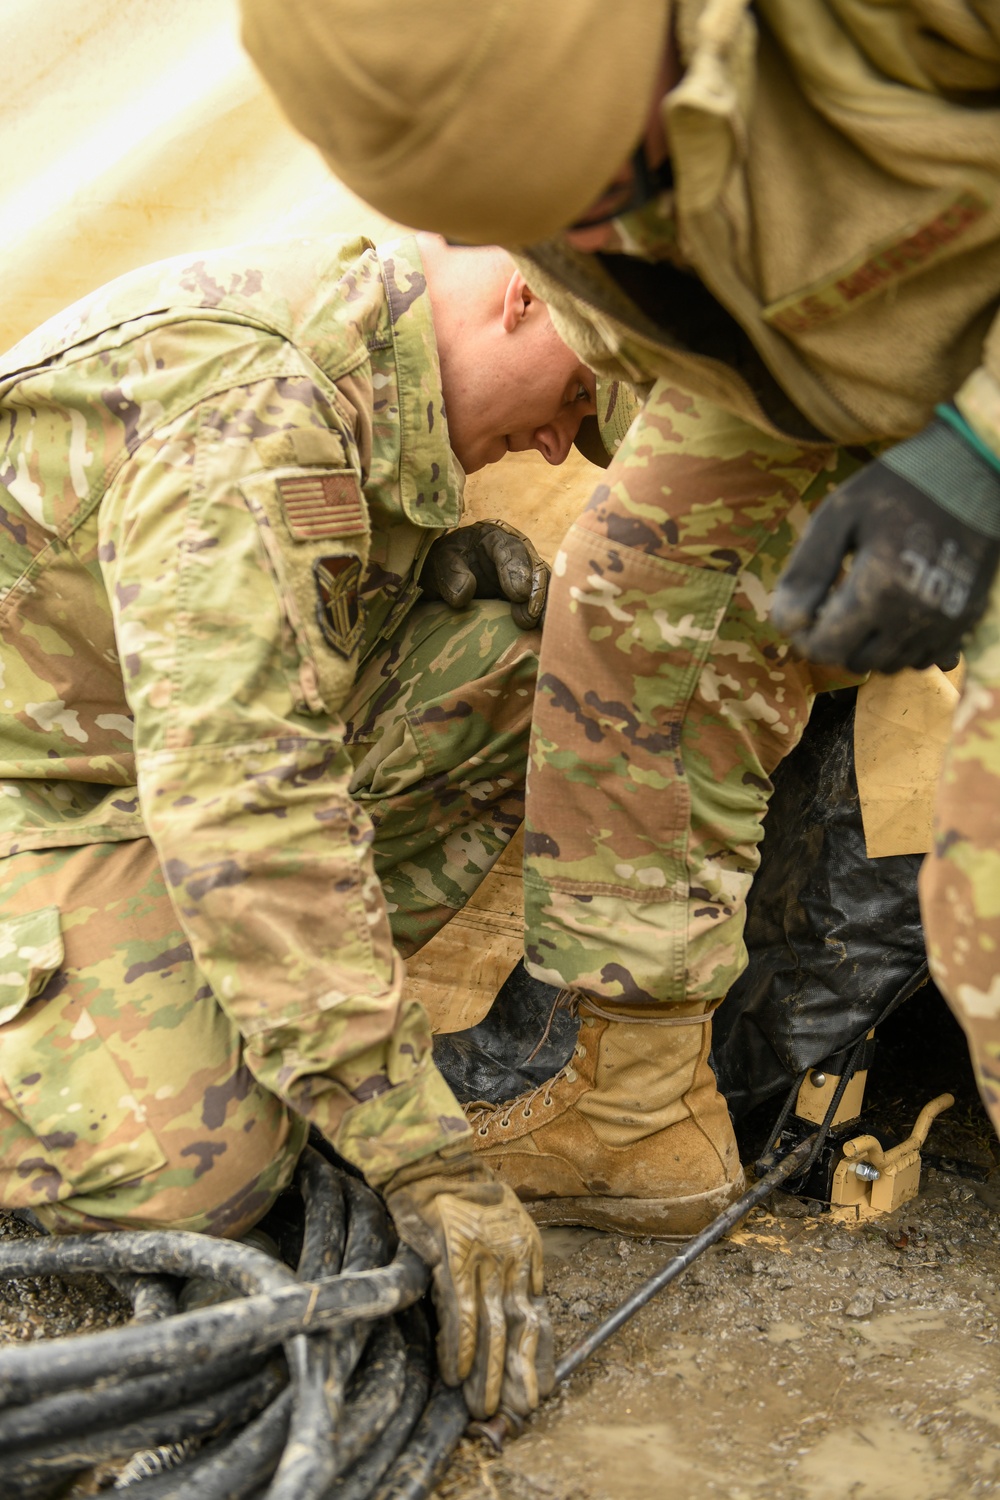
(457,974)
(542,501)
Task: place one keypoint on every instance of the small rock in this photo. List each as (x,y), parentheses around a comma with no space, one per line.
(861,1304)
(790,1207)
(580,1309)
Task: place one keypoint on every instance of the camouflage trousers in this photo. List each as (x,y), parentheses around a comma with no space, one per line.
(665,701)
(124,1096)
(960,878)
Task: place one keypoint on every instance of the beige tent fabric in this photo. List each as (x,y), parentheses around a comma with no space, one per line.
(901,730)
(133,132)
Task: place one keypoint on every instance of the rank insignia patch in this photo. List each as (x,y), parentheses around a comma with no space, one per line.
(338,608)
(322,505)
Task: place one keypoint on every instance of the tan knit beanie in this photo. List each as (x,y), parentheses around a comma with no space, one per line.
(490,121)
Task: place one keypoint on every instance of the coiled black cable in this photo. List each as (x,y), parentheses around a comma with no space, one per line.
(304,1384)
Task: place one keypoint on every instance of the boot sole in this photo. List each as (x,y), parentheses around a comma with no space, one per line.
(656,1218)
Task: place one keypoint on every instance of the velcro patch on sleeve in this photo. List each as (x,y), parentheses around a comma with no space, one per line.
(338,612)
(317,506)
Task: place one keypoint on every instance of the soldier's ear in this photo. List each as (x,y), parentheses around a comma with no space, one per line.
(516,300)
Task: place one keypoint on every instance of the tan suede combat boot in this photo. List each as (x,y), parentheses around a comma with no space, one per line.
(631,1136)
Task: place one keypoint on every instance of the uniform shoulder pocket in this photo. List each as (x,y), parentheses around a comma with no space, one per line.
(316,533)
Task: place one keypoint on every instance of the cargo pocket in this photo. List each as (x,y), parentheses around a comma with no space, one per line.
(627,635)
(315,532)
(74,1126)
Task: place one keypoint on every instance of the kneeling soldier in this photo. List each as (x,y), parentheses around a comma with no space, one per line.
(251,757)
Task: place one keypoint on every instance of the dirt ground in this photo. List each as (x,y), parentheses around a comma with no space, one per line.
(799,1359)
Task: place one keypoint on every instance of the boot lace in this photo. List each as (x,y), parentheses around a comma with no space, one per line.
(481,1114)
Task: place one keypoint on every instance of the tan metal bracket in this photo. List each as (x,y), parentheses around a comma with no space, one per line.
(869,1181)
(818,1088)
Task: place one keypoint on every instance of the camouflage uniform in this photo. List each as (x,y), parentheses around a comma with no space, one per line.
(960,878)
(665,697)
(244,771)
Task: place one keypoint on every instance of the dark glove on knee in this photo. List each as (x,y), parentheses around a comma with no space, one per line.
(488,560)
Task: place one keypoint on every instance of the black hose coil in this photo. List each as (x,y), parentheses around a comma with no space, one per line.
(303,1385)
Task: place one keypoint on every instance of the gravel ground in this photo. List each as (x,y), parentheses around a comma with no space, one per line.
(54,1306)
(798,1359)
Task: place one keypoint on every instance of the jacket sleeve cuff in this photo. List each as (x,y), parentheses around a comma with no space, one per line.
(412,1120)
(949,464)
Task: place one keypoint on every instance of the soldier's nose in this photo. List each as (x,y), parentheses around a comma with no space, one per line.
(555,439)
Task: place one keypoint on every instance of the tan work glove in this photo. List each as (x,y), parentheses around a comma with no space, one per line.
(488,560)
(494,1334)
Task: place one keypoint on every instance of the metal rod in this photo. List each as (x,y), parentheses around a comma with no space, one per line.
(504,1424)
(584,1348)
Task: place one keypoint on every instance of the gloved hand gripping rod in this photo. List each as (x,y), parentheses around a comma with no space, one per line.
(506,1424)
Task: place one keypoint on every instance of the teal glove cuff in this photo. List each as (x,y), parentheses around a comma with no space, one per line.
(949,464)
(955,420)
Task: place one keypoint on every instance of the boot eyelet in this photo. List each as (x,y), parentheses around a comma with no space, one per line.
(483,1130)
(526,1114)
(504,1124)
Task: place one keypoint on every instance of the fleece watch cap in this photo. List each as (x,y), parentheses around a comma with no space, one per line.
(489,121)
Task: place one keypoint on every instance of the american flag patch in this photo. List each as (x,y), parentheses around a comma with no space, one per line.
(323,505)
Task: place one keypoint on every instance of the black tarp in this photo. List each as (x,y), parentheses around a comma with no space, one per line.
(834,938)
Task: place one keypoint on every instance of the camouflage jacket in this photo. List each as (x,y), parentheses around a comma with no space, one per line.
(827,264)
(221,476)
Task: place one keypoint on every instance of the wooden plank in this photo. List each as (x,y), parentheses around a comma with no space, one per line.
(457,974)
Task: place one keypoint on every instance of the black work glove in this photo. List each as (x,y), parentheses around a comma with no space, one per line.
(488,560)
(923,525)
(494,1336)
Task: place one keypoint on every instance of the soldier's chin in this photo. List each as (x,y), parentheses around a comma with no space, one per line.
(490,451)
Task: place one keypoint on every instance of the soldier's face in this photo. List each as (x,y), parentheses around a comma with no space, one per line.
(525,389)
